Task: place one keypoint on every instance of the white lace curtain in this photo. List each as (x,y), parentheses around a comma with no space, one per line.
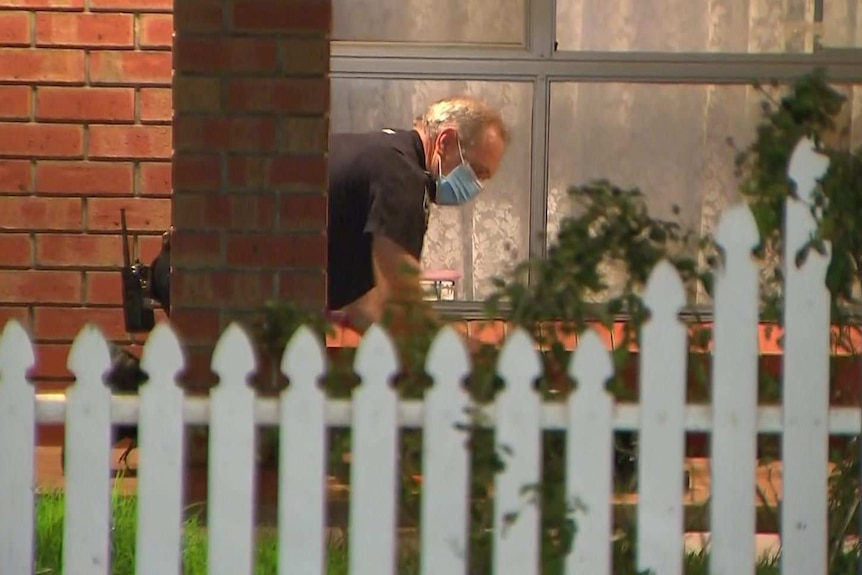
(668,140)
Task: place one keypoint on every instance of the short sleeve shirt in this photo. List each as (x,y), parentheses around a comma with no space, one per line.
(378,184)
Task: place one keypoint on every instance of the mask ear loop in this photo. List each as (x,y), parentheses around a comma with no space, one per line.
(467,165)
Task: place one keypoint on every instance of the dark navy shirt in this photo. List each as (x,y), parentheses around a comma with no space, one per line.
(378,184)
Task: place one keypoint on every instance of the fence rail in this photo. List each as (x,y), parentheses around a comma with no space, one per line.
(376,416)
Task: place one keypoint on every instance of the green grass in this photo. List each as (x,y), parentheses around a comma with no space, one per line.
(49,547)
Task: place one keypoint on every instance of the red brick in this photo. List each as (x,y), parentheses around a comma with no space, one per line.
(302,212)
(84,30)
(303,171)
(156,105)
(154,179)
(84,178)
(103,288)
(286,250)
(131,5)
(28,213)
(78,250)
(42,140)
(199,16)
(234,290)
(103,214)
(130,68)
(242,212)
(145,142)
(86,104)
(196,249)
(305,55)
(15,250)
(196,172)
(279,16)
(15,176)
(149,247)
(19,313)
(64,323)
(305,288)
(51,361)
(15,102)
(14,29)
(290,95)
(196,326)
(219,54)
(199,94)
(40,286)
(43,65)
(157,31)
(218,134)
(72,5)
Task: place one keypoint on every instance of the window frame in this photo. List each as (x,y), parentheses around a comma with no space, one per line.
(541,64)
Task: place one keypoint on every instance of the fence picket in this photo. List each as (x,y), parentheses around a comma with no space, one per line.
(374,454)
(87,519)
(734,397)
(160,456)
(518,443)
(302,459)
(231,490)
(663,360)
(445,459)
(17,442)
(806,378)
(589,465)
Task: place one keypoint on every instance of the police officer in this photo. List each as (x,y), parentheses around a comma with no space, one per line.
(380,187)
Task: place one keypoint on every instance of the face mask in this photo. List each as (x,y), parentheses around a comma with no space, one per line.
(460,186)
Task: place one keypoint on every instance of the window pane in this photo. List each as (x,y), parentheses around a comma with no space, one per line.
(420,21)
(670,141)
(478,240)
(742,26)
(842,24)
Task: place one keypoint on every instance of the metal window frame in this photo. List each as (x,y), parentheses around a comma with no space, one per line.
(539,63)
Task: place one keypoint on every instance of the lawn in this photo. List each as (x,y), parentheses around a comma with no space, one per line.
(49,546)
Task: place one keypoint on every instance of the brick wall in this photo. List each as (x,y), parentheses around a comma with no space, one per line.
(86,106)
(85,114)
(251,92)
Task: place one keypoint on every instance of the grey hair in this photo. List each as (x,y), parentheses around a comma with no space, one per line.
(467,115)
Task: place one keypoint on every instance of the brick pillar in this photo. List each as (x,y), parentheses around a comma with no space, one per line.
(251,122)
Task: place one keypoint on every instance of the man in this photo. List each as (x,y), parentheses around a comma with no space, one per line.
(380,186)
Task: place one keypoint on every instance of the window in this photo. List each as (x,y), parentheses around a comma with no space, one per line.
(442,22)
(746,26)
(466,239)
(642,93)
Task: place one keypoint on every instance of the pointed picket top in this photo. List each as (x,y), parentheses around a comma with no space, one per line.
(445,458)
(737,229)
(375,448)
(664,292)
(303,361)
(447,360)
(518,440)
(302,458)
(806,167)
(87,518)
(90,358)
(233,357)
(376,359)
(589,446)
(163,356)
(519,359)
(16,351)
(17,440)
(591,365)
(160,455)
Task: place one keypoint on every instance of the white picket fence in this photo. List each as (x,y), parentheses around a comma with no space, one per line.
(518,416)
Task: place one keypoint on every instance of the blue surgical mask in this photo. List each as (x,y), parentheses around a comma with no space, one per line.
(460,186)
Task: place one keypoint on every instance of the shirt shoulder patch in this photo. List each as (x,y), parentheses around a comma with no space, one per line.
(388,131)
